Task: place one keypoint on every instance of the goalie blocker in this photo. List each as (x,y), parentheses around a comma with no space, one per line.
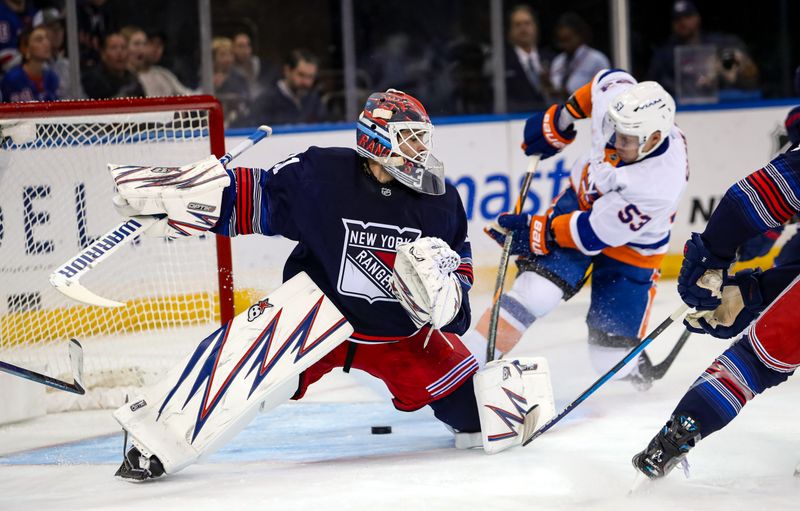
(252,363)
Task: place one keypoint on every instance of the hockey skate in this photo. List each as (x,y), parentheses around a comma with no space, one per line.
(668,448)
(137,467)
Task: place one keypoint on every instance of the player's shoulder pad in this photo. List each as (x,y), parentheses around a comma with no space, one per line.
(450,198)
(329,157)
(607,78)
(326,162)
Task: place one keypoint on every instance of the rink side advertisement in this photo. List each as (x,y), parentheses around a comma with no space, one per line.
(484,161)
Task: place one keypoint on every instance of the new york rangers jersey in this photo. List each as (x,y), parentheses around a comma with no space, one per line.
(347,226)
(18,86)
(627,210)
(763,200)
(11,25)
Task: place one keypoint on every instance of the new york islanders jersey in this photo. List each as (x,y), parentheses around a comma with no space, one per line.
(347,226)
(627,210)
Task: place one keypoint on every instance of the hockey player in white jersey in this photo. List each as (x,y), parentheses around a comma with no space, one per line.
(615,218)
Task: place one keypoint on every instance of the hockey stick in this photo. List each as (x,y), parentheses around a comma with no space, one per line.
(76,363)
(603,379)
(659,370)
(66,278)
(533,161)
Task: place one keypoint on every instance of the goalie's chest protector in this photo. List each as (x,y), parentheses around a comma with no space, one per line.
(348,227)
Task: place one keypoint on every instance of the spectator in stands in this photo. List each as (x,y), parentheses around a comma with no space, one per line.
(15,17)
(577,63)
(257,73)
(94,23)
(230,86)
(526,65)
(111,78)
(136,40)
(735,69)
(155,79)
(292,99)
(32,80)
(53,21)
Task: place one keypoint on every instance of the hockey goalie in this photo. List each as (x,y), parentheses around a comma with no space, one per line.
(378,281)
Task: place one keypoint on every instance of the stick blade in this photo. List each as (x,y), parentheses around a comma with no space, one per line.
(76,361)
(73,289)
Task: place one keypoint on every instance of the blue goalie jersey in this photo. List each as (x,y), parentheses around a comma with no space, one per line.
(347,226)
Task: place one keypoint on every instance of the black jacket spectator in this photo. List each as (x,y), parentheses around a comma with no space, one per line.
(279,106)
(526,65)
(292,100)
(99,83)
(522,95)
(111,78)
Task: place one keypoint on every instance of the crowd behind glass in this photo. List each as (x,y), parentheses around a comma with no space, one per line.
(450,70)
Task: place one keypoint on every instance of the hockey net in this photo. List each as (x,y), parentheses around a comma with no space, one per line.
(55,199)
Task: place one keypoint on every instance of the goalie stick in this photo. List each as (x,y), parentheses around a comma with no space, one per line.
(533,161)
(76,363)
(66,278)
(611,372)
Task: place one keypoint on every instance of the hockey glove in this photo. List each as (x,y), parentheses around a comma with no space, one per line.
(702,275)
(531,234)
(518,225)
(189,198)
(741,304)
(424,283)
(542,136)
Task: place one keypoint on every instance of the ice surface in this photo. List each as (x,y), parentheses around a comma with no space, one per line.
(319,454)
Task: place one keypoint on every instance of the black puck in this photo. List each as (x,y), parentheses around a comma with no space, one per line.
(381,430)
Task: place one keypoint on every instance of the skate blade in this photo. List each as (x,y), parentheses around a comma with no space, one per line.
(641,485)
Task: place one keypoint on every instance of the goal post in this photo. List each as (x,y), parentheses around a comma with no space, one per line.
(55,199)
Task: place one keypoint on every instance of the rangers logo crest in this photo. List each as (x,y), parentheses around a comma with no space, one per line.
(368,258)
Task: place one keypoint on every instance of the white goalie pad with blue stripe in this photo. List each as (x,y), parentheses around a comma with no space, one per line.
(254,359)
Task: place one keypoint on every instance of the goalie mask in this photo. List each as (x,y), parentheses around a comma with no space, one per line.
(640,111)
(394,130)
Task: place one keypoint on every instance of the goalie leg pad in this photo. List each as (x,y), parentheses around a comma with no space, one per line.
(514,397)
(251,363)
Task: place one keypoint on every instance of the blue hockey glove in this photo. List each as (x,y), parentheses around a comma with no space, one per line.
(526,240)
(518,225)
(702,275)
(542,136)
(741,304)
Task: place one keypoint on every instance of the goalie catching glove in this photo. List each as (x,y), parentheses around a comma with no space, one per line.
(188,199)
(424,282)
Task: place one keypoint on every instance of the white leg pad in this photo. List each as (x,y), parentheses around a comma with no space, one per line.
(514,397)
(250,364)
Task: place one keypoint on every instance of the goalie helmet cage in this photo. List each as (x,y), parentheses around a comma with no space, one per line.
(55,199)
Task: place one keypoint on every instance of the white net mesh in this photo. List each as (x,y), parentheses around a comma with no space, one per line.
(55,199)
